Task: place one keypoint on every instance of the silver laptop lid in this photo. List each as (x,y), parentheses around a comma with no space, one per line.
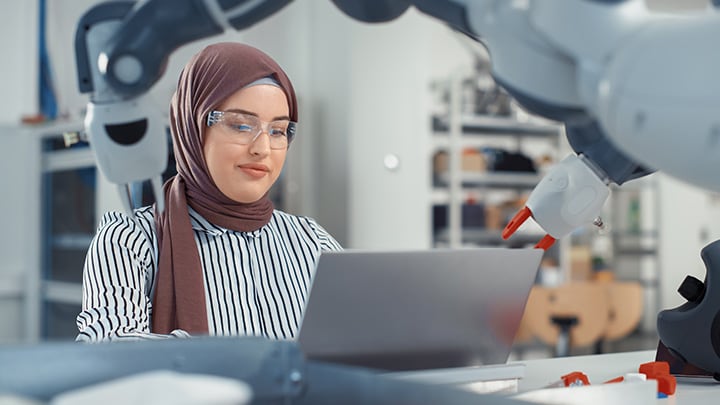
(411,310)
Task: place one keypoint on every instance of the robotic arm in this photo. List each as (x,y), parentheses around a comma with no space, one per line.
(122,49)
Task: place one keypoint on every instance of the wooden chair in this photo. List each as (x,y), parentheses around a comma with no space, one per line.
(571,315)
(626,308)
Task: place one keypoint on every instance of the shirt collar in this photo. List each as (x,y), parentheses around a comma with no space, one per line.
(199,223)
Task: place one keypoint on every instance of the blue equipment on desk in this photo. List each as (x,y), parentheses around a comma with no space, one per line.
(276,371)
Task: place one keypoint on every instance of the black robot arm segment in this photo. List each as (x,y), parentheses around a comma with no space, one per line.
(587,138)
(102,12)
(135,56)
(373,11)
(376,11)
(145,39)
(448,11)
(242,14)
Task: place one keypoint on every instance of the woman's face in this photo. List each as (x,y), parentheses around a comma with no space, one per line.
(244,173)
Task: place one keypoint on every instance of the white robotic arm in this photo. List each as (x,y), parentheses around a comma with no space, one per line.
(622,80)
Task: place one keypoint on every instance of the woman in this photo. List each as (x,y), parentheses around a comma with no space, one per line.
(219,260)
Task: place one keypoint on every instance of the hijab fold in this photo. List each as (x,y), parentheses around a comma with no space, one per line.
(207,80)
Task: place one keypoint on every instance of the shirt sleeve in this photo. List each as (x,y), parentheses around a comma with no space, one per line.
(117,283)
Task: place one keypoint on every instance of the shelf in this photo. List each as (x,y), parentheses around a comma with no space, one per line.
(441,196)
(11,286)
(72,241)
(517,180)
(69,159)
(489,125)
(635,243)
(484,236)
(635,251)
(63,292)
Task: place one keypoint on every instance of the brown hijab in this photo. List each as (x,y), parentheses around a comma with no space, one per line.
(210,77)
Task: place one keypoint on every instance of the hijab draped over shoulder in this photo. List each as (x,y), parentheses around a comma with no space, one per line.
(211,76)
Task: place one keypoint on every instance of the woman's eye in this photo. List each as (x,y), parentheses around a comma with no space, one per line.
(242,127)
(277,132)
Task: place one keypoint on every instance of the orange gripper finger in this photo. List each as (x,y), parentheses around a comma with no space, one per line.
(515,222)
(545,243)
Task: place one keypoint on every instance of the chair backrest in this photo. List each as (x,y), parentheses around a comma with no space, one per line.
(626,308)
(586,301)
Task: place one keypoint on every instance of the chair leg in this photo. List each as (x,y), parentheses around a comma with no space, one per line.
(565,323)
(562,347)
(600,346)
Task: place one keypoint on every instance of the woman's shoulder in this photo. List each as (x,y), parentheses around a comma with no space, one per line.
(144,217)
(283,217)
(306,226)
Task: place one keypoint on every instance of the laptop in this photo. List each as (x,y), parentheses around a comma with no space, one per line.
(417,310)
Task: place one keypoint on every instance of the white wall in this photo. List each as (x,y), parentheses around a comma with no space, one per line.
(18,42)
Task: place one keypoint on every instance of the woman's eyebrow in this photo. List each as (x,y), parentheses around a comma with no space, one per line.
(240,110)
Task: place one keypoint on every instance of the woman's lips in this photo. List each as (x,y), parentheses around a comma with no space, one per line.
(255,171)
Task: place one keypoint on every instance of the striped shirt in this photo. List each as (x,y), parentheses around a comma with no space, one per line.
(256,283)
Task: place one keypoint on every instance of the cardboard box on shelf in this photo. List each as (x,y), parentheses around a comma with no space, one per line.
(498,215)
(580,263)
(471,161)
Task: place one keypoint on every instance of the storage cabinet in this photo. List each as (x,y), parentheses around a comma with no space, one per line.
(54,199)
(69,219)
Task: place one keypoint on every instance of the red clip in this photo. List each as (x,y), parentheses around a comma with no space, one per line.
(545,243)
(660,371)
(575,379)
(516,221)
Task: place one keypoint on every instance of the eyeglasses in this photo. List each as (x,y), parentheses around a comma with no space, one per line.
(245,128)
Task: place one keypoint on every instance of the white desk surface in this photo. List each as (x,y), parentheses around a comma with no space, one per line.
(603,367)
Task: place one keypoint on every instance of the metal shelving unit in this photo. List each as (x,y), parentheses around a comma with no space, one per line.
(635,216)
(69,188)
(39,263)
(453,131)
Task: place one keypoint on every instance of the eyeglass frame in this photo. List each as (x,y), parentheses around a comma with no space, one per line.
(216,116)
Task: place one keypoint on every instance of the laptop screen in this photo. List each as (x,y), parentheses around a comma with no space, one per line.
(412,310)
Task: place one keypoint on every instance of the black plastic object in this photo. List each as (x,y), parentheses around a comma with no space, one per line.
(691,331)
(103,12)
(588,138)
(692,289)
(500,160)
